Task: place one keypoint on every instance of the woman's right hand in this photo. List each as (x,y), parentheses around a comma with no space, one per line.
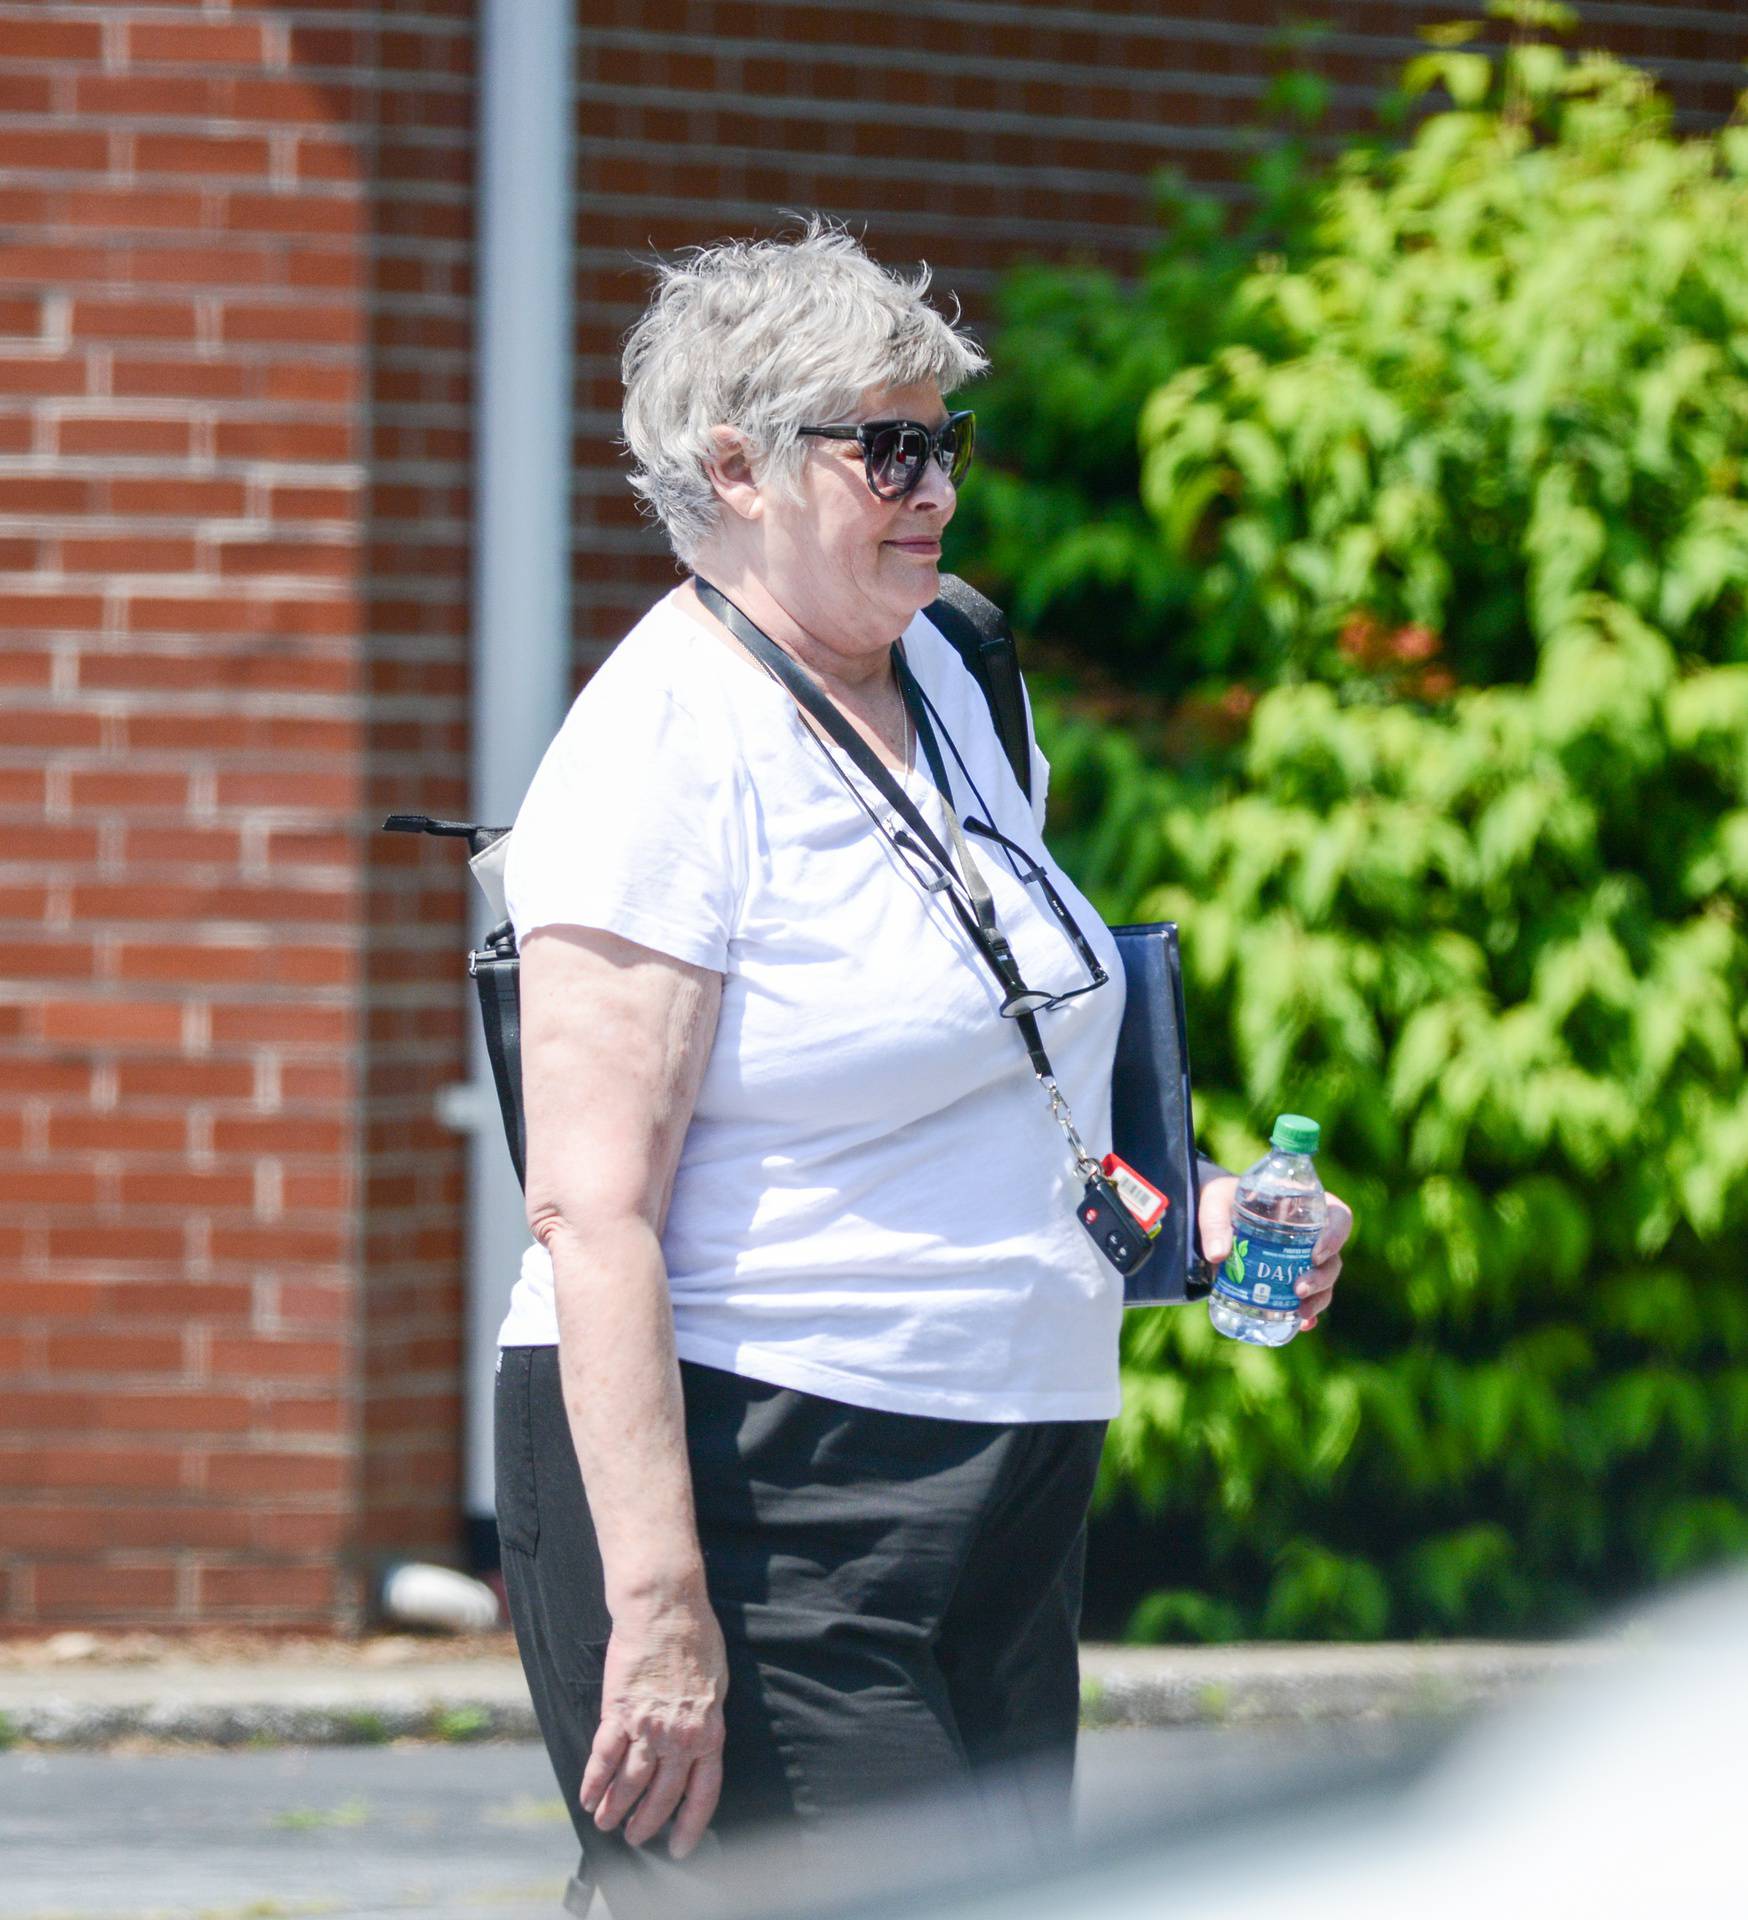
(659,1744)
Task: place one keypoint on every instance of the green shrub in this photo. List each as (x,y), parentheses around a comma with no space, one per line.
(1457,504)
(1467,381)
(1517,1005)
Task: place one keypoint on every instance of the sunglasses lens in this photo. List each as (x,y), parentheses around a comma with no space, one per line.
(1027,1002)
(896,457)
(956,445)
(898,454)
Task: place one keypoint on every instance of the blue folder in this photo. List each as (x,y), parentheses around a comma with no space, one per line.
(1151,1124)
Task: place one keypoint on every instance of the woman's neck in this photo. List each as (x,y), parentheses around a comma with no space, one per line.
(848,668)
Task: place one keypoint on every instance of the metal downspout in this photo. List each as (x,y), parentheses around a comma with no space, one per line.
(522,545)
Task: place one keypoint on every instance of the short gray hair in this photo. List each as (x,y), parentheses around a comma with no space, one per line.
(765,336)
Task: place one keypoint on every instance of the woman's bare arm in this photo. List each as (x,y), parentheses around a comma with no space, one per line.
(614,1041)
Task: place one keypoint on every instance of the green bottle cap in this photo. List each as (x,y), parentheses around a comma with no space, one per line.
(1295,1134)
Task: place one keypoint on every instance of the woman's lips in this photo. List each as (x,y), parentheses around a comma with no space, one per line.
(932,548)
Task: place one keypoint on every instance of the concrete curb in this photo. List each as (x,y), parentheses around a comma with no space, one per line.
(304,1702)
(1214,1686)
(290,1703)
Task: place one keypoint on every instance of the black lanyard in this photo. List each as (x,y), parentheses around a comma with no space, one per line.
(963,883)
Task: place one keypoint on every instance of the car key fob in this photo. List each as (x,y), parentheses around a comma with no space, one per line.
(1112,1228)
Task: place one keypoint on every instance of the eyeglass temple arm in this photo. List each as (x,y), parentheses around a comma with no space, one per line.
(985,831)
(1070,925)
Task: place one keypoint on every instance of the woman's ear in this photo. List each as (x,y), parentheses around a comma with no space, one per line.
(730,468)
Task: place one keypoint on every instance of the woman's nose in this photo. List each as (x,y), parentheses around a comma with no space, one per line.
(934,490)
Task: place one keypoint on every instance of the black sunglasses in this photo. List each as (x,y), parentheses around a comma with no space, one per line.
(896,453)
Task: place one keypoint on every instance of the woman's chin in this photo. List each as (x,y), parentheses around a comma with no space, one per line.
(916,573)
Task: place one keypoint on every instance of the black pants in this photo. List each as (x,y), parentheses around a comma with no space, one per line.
(899,1595)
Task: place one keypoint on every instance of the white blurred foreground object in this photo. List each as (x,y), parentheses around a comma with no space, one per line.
(1617,1792)
(416,1594)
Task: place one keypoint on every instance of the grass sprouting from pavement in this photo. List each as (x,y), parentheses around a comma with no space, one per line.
(350,1813)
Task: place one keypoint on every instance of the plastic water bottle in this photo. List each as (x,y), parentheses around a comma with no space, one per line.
(1277,1215)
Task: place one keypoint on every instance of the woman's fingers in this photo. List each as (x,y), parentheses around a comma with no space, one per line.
(659,1800)
(655,1789)
(1316,1291)
(610,1744)
(703,1790)
(633,1774)
(1214,1218)
(1318,1287)
(626,1781)
(1336,1229)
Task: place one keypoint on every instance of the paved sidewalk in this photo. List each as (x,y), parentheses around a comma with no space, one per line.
(479,1833)
(303,1693)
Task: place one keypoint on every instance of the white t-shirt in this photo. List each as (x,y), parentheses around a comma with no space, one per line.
(873,1201)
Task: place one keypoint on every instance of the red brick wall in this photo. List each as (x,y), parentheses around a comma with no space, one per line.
(233,441)
(235,311)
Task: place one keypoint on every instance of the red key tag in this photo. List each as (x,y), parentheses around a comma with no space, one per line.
(1141,1197)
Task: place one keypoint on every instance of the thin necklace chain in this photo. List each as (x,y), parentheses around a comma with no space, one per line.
(907,735)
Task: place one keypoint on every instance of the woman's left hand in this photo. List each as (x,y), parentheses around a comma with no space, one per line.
(1315,1291)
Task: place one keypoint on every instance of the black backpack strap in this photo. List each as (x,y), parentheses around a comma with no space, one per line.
(497,977)
(497,968)
(980,634)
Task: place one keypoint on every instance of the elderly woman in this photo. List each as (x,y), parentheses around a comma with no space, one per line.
(809,1305)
